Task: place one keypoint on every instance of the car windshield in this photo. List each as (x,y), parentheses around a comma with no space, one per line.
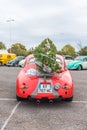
(59,61)
(68,57)
(78,58)
(15,58)
(32,60)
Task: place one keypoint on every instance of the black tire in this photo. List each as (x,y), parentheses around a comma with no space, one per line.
(15,65)
(0,63)
(19,98)
(79,67)
(69,99)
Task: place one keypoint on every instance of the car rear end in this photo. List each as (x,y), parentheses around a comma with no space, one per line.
(44,86)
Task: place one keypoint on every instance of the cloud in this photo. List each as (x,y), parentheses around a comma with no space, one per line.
(62,21)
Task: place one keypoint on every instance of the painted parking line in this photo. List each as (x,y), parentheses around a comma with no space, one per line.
(7,99)
(13,111)
(79,101)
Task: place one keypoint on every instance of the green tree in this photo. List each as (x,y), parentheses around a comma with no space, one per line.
(83,51)
(2,45)
(30,51)
(59,52)
(18,49)
(45,54)
(68,50)
(42,44)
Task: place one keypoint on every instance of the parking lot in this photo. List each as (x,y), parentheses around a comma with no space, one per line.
(27,115)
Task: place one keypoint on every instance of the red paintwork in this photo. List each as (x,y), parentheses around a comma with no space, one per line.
(64,78)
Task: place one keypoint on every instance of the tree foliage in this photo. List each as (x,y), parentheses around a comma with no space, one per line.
(30,51)
(2,45)
(42,44)
(83,51)
(45,55)
(68,50)
(18,49)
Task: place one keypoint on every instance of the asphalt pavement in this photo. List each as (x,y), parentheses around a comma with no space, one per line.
(27,115)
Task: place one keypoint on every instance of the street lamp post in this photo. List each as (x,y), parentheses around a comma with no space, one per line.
(10,30)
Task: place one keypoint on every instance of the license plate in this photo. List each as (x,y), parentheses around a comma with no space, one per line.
(44,88)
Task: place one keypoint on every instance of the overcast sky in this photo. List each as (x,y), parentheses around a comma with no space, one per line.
(63,21)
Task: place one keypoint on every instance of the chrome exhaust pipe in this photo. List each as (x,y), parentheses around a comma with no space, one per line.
(50,101)
(38,101)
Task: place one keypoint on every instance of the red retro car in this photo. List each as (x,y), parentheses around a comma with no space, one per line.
(31,83)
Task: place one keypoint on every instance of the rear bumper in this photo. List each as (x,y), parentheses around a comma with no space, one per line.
(9,65)
(54,95)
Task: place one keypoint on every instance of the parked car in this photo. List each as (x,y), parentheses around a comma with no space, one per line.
(21,63)
(68,59)
(31,83)
(15,61)
(6,57)
(79,63)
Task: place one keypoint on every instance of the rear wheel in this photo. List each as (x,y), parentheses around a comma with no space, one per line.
(0,63)
(19,98)
(69,99)
(15,65)
(79,67)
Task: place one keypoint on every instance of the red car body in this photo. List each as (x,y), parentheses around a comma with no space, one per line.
(32,84)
